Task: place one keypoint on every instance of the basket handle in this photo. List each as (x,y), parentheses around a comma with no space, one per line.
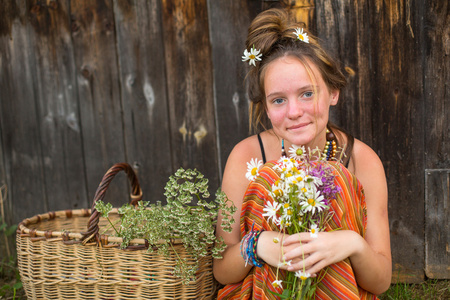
(136,195)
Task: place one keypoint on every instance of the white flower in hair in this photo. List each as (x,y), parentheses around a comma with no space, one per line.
(302,36)
(252,56)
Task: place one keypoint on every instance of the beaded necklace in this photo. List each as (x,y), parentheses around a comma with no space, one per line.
(330,146)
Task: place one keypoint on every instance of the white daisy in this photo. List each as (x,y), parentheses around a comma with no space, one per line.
(314,231)
(252,169)
(271,209)
(302,36)
(284,263)
(302,275)
(252,56)
(312,201)
(276,283)
(313,180)
(297,152)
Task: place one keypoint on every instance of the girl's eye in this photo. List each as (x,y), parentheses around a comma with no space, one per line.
(308,94)
(278,101)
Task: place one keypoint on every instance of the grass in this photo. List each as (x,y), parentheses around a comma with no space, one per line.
(432,289)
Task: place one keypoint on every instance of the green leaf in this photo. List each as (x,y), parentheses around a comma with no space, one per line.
(11,230)
(17,285)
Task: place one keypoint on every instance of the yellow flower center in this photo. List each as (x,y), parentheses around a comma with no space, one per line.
(311,202)
(313,230)
(304,190)
(303,277)
(299,152)
(278,193)
(286,205)
(289,212)
(252,56)
(254,171)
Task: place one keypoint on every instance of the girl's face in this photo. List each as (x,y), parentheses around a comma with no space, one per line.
(298,102)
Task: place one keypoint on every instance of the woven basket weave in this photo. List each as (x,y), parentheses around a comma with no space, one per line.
(61,255)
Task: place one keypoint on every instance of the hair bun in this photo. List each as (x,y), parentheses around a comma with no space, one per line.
(269,28)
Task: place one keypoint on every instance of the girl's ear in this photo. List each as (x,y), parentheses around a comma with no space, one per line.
(334,97)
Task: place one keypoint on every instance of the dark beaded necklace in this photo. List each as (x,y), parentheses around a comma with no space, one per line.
(330,146)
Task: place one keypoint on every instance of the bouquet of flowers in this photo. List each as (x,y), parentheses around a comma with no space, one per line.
(300,202)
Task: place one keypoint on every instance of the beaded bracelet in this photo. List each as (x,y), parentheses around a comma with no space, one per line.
(248,248)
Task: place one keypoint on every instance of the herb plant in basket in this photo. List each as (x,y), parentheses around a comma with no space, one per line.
(182,218)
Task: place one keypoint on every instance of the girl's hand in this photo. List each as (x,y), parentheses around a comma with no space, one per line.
(311,255)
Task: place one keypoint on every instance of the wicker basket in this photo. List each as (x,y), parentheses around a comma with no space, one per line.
(62,256)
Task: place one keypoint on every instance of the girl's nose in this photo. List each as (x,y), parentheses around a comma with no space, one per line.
(295,109)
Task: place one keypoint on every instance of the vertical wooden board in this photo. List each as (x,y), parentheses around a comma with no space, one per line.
(343,27)
(56,98)
(93,34)
(228,22)
(436,43)
(384,108)
(436,37)
(143,90)
(398,127)
(437,225)
(20,133)
(190,92)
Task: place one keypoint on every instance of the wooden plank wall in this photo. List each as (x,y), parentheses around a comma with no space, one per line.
(159,84)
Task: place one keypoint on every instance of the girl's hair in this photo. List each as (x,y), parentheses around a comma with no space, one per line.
(272,32)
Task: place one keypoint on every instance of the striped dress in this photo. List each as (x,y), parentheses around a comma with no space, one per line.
(349,214)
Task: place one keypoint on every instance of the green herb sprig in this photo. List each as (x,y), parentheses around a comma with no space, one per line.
(182,218)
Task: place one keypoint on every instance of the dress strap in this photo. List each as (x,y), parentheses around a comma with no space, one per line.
(262,148)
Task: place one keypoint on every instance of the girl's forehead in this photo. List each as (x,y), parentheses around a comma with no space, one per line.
(292,69)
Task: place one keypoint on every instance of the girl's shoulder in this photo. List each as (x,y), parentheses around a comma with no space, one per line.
(365,163)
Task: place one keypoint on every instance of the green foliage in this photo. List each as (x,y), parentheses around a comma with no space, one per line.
(10,285)
(429,289)
(182,218)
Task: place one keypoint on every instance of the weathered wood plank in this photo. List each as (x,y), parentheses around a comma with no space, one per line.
(436,44)
(189,74)
(437,223)
(384,107)
(398,126)
(143,92)
(435,41)
(57,107)
(20,133)
(92,25)
(228,22)
(343,27)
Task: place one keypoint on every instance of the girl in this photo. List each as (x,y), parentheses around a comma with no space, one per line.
(292,83)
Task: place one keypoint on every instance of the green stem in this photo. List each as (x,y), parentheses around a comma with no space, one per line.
(112,225)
